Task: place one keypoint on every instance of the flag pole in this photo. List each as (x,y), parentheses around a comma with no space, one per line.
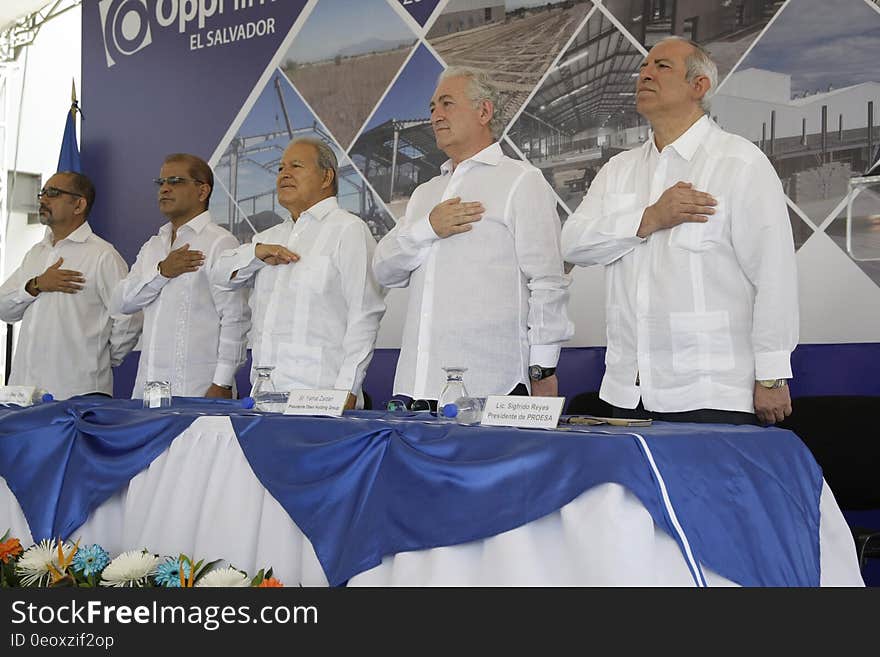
(74,105)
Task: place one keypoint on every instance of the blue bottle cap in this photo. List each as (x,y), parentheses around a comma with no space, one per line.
(47,397)
(247,402)
(450,410)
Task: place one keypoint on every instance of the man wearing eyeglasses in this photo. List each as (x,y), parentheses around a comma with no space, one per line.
(316,305)
(195,335)
(69,337)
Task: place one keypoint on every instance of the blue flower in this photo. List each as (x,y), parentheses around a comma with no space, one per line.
(168,573)
(90,560)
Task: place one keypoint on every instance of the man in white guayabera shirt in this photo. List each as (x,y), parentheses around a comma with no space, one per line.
(701,285)
(195,335)
(479,250)
(62,294)
(316,306)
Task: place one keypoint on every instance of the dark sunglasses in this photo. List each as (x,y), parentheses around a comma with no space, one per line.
(400,403)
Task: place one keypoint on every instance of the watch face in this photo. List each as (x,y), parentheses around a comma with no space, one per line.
(535,372)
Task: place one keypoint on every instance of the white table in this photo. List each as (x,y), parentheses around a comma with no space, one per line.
(200,497)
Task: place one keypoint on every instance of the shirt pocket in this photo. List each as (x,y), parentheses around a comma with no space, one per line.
(701,342)
(618,203)
(301,362)
(694,236)
(313,272)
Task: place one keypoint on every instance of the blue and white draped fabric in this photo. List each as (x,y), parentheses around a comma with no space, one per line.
(745,499)
(742,501)
(63,459)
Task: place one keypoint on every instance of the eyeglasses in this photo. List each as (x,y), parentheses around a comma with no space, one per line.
(174,181)
(54,192)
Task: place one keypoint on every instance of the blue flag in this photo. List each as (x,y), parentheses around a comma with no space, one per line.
(69,160)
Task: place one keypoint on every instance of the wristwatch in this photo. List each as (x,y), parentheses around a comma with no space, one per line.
(537,373)
(772,383)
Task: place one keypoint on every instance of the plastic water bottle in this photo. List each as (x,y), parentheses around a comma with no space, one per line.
(24,395)
(465,410)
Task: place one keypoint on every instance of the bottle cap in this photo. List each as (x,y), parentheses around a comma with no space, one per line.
(450,410)
(47,397)
(247,402)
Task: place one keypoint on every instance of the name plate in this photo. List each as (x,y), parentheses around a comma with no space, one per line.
(524,412)
(21,395)
(316,402)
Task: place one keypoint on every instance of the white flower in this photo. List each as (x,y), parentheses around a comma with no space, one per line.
(33,565)
(129,569)
(224,577)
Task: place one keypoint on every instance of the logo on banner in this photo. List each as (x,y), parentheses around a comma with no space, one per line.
(126,24)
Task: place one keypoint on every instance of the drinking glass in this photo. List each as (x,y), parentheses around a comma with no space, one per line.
(453,389)
(157,394)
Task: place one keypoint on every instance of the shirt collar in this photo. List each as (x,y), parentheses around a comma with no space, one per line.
(196,224)
(81,234)
(322,208)
(490,155)
(688,142)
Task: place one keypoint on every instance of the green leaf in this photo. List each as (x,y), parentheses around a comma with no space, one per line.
(205,570)
(5,536)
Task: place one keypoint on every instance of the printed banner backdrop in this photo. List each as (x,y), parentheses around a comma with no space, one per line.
(165,76)
(235,80)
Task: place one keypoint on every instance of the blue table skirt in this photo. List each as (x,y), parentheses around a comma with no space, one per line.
(744,501)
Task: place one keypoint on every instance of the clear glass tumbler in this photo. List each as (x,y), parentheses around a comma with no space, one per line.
(263,392)
(157,394)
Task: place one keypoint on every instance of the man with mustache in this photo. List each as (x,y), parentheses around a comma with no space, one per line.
(195,335)
(479,250)
(316,306)
(62,294)
(701,285)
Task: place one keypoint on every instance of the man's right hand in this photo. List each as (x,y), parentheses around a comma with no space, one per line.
(275,254)
(452,216)
(181,261)
(679,204)
(55,279)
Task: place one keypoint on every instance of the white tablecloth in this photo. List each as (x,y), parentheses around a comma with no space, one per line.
(200,497)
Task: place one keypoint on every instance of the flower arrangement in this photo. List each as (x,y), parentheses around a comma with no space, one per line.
(61,563)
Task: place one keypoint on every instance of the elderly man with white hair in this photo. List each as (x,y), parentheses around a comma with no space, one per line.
(479,250)
(315,305)
(701,285)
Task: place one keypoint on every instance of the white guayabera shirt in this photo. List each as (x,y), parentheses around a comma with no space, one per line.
(314,320)
(699,312)
(68,342)
(194,333)
(492,299)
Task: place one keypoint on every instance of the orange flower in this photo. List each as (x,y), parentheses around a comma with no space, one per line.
(270,582)
(9,549)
